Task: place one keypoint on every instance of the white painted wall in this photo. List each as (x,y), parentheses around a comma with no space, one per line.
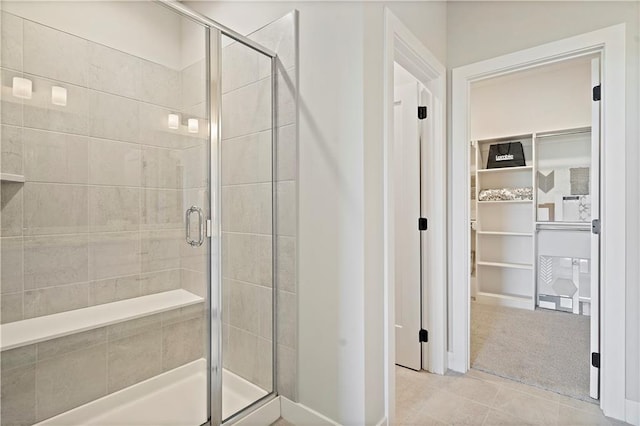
(472,35)
(140,28)
(552,97)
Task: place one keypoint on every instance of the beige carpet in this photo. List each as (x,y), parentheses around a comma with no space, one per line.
(541,348)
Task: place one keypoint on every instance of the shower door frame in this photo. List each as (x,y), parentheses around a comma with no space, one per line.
(213,34)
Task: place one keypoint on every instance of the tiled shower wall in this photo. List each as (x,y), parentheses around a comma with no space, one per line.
(99,217)
(246,207)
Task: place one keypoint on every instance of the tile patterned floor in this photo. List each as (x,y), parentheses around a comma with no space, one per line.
(477,398)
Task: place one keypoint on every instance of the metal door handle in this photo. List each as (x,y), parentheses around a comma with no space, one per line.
(200,240)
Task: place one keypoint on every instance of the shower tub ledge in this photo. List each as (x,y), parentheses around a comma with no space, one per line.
(177,397)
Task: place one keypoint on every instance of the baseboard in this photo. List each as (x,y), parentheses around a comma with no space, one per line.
(262,416)
(299,414)
(632,412)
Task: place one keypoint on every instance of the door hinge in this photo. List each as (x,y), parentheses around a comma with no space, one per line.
(597,92)
(423,336)
(208,227)
(595,359)
(423,224)
(595,226)
(422,112)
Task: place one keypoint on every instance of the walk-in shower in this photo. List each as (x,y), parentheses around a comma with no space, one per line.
(138,280)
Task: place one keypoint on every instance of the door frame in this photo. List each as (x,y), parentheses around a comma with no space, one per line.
(611,43)
(401,46)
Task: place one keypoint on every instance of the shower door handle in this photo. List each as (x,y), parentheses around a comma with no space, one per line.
(200,240)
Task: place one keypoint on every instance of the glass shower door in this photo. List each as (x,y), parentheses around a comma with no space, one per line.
(105,196)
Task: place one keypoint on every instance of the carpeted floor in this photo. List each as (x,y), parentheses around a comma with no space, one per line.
(546,349)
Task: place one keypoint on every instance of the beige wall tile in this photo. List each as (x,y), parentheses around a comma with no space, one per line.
(279,36)
(247,258)
(162,209)
(264,369)
(114,255)
(67,344)
(161,249)
(287,153)
(242,353)
(287,372)
(12,107)
(286,98)
(194,84)
(134,359)
(194,282)
(134,327)
(244,306)
(51,300)
(55,157)
(247,208)
(12,204)
(18,401)
(55,54)
(239,66)
(114,163)
(265,306)
(247,110)
(114,289)
(11,307)
(286,258)
(184,314)
(196,166)
(154,127)
(157,282)
(113,117)
(18,357)
(69,381)
(55,209)
(160,85)
(40,113)
(287,209)
(182,343)
(55,260)
(247,159)
(12,269)
(113,208)
(12,150)
(163,168)
(112,71)
(287,319)
(11,42)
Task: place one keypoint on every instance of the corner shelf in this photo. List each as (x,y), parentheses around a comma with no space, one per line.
(9,177)
(34,330)
(508,300)
(505,169)
(506,202)
(507,234)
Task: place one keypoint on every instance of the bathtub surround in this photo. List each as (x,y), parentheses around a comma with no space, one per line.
(99,217)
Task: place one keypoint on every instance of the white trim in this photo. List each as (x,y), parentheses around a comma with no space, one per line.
(299,414)
(611,42)
(401,46)
(264,415)
(632,412)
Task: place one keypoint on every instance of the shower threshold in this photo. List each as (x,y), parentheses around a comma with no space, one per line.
(177,397)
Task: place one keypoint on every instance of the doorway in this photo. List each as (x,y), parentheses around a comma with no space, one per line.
(609,41)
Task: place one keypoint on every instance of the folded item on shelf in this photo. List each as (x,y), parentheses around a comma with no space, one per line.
(506,194)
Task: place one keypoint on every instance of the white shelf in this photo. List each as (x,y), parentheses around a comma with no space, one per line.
(506,202)
(508,300)
(510,234)
(506,265)
(34,330)
(8,177)
(505,169)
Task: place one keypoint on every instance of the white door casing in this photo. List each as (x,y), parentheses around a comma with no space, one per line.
(594,346)
(406,154)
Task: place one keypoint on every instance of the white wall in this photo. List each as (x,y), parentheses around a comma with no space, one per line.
(473,35)
(140,28)
(553,97)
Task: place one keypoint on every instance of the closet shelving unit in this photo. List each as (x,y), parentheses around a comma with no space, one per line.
(506,232)
(505,243)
